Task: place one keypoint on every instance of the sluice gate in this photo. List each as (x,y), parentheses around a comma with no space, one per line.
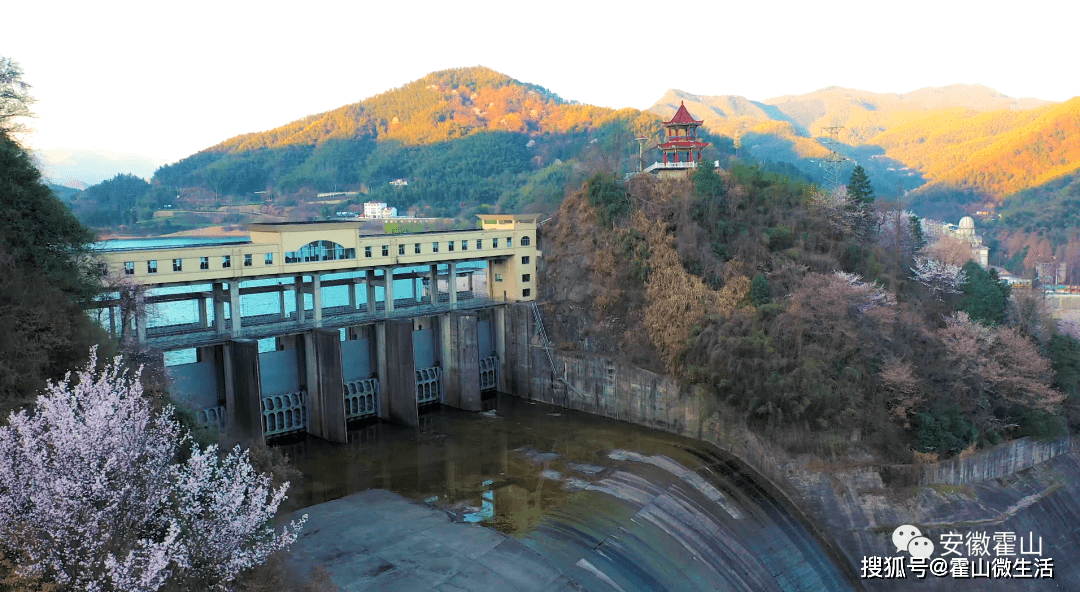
(294,389)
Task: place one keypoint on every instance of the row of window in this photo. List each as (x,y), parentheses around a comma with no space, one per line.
(418,249)
(204,263)
(525,277)
(322,251)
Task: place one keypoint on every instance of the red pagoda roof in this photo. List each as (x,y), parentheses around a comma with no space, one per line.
(683,117)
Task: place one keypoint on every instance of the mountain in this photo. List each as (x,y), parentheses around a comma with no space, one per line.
(954,146)
(70,166)
(460,139)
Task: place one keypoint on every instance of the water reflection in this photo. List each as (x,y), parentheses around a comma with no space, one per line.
(505,468)
(606,501)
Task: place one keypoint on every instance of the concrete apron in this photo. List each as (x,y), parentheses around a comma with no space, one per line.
(378,540)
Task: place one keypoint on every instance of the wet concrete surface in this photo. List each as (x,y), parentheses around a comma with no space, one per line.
(574,499)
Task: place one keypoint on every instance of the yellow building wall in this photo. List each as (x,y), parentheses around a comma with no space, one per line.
(504,259)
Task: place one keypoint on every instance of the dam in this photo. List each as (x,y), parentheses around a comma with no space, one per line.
(392,401)
(380,354)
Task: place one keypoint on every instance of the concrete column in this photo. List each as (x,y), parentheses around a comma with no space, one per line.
(325,398)
(461,360)
(281,302)
(471,282)
(298,293)
(219,307)
(498,321)
(316,298)
(243,390)
(140,316)
(234,307)
(112,321)
(352,294)
(203,313)
(397,378)
(452,284)
(388,281)
(490,271)
(369,283)
(433,282)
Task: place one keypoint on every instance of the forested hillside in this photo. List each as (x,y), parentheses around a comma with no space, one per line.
(956,147)
(460,141)
(812,316)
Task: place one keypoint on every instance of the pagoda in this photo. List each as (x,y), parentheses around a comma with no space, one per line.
(681,146)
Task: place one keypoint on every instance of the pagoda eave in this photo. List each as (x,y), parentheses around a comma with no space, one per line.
(682,145)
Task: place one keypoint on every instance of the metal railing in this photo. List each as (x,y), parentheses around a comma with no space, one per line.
(546,345)
(670,165)
(271,325)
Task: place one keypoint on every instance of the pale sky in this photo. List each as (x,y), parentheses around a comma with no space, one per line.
(169,79)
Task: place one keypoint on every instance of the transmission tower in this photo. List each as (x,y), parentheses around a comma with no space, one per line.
(830,165)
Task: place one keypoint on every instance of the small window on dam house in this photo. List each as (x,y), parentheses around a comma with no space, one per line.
(178,265)
(247,260)
(269,259)
(204,263)
(524,259)
(226,261)
(129,268)
(526,293)
(151,266)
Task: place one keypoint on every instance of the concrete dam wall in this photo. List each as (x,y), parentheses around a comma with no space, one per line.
(1023,487)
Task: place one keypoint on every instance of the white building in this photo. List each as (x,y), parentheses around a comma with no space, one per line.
(379,209)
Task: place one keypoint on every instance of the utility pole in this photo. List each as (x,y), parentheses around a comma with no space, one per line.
(899,242)
(640,150)
(831,163)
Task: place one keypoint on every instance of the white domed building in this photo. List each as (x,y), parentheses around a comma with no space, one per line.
(964,231)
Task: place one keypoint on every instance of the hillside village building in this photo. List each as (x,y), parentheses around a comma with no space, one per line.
(933,230)
(379,209)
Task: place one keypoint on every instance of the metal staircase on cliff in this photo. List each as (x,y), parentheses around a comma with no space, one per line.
(544,343)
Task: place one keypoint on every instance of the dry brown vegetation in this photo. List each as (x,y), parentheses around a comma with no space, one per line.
(835,339)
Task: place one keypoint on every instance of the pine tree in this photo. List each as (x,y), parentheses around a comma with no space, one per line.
(859,191)
(860,200)
(759,290)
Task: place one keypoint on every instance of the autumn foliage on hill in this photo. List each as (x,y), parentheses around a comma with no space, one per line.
(757,288)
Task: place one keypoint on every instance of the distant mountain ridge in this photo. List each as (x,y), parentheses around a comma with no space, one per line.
(72,166)
(957,144)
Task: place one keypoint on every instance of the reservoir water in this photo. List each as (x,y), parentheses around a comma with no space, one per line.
(645,509)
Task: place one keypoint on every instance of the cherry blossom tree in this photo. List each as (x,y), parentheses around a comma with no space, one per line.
(940,277)
(92,496)
(995,368)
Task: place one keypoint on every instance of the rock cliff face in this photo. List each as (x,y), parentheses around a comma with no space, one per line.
(1021,487)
